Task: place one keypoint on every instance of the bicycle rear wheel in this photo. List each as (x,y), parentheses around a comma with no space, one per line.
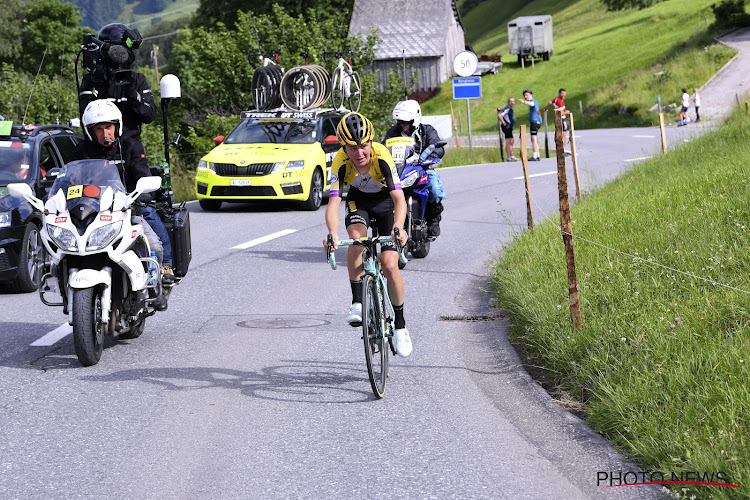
(376,344)
(337,88)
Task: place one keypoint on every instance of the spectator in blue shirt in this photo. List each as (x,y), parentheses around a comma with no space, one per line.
(535,122)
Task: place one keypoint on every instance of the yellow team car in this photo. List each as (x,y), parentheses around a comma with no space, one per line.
(271,155)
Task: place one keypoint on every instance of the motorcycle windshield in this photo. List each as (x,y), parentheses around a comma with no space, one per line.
(84,181)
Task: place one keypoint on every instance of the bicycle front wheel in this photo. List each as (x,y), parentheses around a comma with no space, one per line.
(373,334)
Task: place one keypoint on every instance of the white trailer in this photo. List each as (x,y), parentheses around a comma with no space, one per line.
(530,36)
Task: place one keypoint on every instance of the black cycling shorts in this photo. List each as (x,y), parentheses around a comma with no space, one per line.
(534,127)
(508,132)
(361,208)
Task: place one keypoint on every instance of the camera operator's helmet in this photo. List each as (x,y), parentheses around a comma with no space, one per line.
(408,111)
(101,111)
(354,129)
(123,41)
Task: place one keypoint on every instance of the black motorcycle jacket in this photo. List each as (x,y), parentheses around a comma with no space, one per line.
(135,100)
(423,137)
(128,154)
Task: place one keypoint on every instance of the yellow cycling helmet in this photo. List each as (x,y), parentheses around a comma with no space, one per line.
(354,129)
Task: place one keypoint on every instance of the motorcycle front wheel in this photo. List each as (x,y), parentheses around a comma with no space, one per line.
(88,330)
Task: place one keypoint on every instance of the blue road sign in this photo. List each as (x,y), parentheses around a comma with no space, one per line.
(467,88)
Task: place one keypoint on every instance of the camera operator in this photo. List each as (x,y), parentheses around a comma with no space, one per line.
(109,76)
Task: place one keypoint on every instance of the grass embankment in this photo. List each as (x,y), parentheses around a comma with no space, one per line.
(606,60)
(662,358)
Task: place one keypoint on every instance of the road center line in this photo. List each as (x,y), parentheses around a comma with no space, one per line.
(52,337)
(264,239)
(535,175)
(638,159)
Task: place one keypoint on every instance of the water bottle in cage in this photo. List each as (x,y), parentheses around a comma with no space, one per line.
(166,177)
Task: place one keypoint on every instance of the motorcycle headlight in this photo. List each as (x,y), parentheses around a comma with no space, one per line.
(5,218)
(410,179)
(295,165)
(103,236)
(63,238)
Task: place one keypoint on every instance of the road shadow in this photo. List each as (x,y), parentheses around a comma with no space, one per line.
(311,255)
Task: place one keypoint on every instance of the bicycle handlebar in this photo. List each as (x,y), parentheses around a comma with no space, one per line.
(365,241)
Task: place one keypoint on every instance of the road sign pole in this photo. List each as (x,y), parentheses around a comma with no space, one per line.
(468,123)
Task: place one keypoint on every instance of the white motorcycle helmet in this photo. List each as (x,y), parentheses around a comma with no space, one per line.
(408,111)
(101,111)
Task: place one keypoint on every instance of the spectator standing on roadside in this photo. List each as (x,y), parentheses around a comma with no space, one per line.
(697,103)
(507,119)
(559,103)
(535,122)
(685,103)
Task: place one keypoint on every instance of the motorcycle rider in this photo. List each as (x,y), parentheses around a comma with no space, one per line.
(102,126)
(408,116)
(113,79)
(374,191)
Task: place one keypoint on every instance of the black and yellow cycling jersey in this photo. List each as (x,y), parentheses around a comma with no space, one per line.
(381,176)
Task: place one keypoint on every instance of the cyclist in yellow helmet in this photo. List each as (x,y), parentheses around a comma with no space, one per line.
(368,170)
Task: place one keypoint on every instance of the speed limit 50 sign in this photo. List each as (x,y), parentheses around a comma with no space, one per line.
(465,63)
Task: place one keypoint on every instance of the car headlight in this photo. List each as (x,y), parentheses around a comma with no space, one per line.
(277,166)
(103,236)
(63,238)
(5,218)
(203,165)
(410,179)
(295,165)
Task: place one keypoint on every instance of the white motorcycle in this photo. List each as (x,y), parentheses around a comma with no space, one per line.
(101,263)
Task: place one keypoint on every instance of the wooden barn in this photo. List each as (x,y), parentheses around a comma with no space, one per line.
(428,33)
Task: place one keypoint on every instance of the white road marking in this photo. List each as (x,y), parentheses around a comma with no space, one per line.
(535,175)
(264,239)
(638,159)
(644,136)
(52,337)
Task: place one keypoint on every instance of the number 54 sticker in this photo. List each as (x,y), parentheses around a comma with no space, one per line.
(75,192)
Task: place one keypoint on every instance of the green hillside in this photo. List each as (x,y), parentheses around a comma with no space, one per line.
(614,63)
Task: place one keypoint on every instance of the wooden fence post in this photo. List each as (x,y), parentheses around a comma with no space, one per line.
(453,124)
(565,223)
(574,156)
(525,164)
(663,134)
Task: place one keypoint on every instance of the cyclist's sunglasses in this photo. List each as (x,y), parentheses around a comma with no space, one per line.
(402,123)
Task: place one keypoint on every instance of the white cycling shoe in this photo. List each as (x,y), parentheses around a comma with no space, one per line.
(402,342)
(355,314)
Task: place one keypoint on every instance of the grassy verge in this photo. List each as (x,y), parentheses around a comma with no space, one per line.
(661,361)
(614,63)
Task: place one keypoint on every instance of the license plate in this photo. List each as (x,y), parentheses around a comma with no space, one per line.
(240,182)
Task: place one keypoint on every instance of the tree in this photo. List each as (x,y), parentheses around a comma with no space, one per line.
(731,14)
(211,12)
(11,29)
(628,4)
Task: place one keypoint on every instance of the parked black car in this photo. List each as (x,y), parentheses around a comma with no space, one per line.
(27,153)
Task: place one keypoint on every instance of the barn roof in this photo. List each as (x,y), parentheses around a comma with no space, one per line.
(419,28)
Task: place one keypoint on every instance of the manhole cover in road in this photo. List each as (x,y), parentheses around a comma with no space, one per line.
(280,323)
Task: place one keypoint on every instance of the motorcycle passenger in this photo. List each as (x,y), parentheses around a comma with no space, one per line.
(113,79)
(102,125)
(368,170)
(408,116)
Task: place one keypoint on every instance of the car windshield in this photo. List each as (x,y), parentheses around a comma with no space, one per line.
(273,131)
(15,161)
(84,181)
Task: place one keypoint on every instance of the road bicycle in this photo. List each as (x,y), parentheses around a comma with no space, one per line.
(378,325)
(345,83)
